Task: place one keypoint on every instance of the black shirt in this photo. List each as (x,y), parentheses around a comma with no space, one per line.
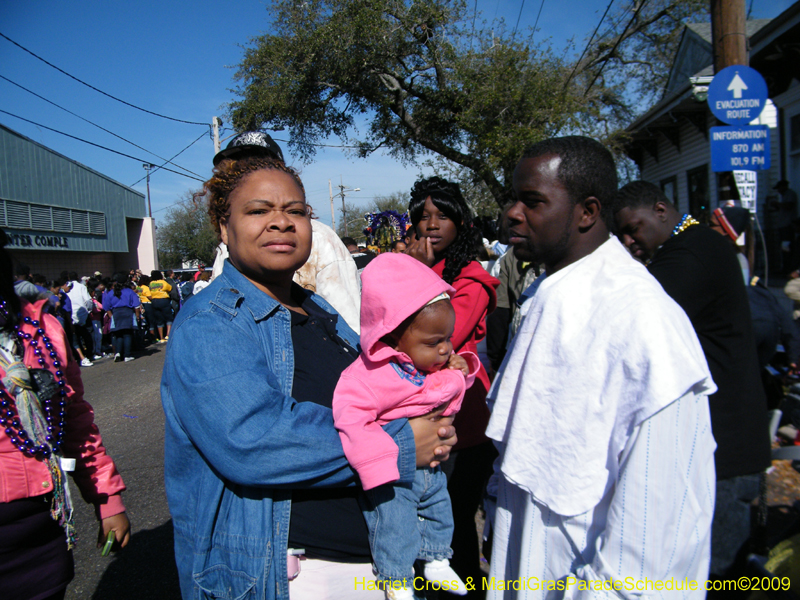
(327,523)
(699,270)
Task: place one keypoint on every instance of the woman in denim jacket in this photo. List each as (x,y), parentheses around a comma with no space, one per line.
(243,451)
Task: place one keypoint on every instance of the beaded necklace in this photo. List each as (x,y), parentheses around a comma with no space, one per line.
(686,221)
(54,410)
(43,416)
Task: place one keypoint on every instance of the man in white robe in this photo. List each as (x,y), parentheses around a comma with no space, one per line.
(600,412)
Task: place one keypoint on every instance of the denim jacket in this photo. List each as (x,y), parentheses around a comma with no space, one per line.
(236,443)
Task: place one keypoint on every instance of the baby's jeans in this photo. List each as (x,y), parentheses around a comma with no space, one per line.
(409,523)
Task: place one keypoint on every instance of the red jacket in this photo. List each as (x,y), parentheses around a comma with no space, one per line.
(475,298)
(95,474)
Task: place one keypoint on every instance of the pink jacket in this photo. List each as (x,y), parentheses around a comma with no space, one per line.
(382,384)
(95,473)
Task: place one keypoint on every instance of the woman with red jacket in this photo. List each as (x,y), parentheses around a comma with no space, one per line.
(46,430)
(448,243)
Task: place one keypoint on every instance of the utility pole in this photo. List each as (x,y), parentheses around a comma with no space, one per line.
(333,214)
(342,190)
(216,123)
(344,209)
(729,33)
(729,44)
(147,167)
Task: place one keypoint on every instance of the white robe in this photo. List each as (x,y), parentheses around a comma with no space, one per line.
(601,417)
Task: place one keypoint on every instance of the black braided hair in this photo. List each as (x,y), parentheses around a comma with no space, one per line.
(447,197)
(120,279)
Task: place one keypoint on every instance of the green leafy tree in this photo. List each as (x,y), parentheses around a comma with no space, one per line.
(429,79)
(397,201)
(477,195)
(355,221)
(186,234)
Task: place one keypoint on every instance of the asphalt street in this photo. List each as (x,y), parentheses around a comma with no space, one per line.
(127,405)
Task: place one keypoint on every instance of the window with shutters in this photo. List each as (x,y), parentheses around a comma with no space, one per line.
(43,217)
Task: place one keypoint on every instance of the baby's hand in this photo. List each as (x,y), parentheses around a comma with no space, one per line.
(456,363)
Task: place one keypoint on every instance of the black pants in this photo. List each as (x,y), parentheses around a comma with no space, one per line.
(83,338)
(467,472)
(34,560)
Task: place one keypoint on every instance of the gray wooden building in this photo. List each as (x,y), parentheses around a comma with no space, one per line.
(61,215)
(670,142)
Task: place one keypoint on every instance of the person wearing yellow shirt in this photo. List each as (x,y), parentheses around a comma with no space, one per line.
(142,289)
(162,307)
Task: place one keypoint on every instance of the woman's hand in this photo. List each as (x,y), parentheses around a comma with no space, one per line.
(434,437)
(121,527)
(422,250)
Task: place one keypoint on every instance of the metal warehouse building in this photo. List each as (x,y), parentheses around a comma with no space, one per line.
(62,216)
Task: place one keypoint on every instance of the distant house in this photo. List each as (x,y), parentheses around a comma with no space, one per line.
(670,142)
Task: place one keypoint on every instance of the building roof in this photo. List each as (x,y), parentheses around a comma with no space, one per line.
(693,60)
(50,151)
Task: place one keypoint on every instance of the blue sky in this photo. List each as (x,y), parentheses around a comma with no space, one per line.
(177,58)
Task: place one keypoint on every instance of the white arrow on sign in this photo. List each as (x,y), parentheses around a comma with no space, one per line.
(737,85)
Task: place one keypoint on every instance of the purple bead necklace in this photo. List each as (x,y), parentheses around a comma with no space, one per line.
(54,410)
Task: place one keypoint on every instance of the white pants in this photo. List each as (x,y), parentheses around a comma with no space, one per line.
(325,580)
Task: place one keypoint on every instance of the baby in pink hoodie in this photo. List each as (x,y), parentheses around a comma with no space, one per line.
(406,369)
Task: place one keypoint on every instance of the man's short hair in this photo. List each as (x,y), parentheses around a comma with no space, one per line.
(348,241)
(586,169)
(637,194)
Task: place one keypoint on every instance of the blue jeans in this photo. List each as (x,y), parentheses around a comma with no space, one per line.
(123,341)
(409,523)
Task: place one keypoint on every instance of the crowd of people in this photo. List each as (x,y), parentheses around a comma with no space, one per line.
(109,317)
(335,419)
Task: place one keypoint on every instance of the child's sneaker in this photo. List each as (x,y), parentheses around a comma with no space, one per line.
(404,593)
(441,572)
(86,363)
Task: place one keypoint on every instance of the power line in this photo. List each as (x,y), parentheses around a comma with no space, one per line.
(616,44)
(541,6)
(596,29)
(322,145)
(513,33)
(169,160)
(474,14)
(99,126)
(92,143)
(96,89)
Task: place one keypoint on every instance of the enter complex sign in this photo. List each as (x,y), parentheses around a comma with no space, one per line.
(737,95)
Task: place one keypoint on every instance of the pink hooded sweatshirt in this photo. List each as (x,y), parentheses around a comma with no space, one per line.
(382,384)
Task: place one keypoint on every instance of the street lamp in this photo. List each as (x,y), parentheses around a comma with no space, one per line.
(342,190)
(147,167)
